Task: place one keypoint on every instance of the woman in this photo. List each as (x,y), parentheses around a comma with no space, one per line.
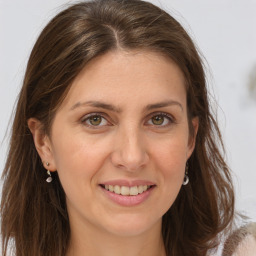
(114,149)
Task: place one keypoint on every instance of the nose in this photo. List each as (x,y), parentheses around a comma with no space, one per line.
(129,150)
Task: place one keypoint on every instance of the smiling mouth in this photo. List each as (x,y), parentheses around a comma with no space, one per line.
(127,191)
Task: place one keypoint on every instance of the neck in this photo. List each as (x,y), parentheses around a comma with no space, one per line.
(97,242)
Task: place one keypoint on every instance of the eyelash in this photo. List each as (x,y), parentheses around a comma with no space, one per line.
(98,114)
(102,115)
(164,115)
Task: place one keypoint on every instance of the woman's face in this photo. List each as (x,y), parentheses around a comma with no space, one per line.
(123,126)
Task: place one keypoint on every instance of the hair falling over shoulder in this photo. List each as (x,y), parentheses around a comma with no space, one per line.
(33,213)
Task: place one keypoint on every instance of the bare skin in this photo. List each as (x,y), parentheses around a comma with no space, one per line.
(150,244)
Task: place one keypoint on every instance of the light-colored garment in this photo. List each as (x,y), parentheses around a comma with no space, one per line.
(242,242)
(247,247)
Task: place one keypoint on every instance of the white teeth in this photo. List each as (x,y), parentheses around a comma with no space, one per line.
(127,191)
(117,189)
(134,191)
(111,188)
(140,189)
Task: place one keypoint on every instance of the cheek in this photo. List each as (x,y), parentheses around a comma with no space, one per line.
(78,166)
(78,159)
(170,160)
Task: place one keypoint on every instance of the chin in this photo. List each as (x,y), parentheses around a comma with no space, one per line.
(132,225)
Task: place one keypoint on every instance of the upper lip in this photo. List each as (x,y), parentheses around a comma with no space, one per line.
(128,183)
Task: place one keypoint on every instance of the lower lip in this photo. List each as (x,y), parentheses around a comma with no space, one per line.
(128,200)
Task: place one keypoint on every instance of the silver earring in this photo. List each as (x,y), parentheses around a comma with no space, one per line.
(186,178)
(49,179)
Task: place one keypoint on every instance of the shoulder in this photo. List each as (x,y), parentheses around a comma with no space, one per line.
(242,242)
(247,247)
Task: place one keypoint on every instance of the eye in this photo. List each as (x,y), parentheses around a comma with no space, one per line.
(161,119)
(95,120)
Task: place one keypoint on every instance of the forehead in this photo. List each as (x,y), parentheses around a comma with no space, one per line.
(127,76)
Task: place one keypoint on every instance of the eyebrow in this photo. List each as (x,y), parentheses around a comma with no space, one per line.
(164,104)
(99,104)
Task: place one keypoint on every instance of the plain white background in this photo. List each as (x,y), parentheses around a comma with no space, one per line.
(225,32)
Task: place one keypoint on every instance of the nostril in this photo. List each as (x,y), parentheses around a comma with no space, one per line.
(130,153)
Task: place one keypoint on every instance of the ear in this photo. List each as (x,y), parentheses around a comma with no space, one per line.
(42,143)
(192,136)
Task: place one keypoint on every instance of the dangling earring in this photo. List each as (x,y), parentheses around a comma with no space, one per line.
(186,178)
(49,179)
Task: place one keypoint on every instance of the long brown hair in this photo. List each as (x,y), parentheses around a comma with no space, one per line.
(34,214)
